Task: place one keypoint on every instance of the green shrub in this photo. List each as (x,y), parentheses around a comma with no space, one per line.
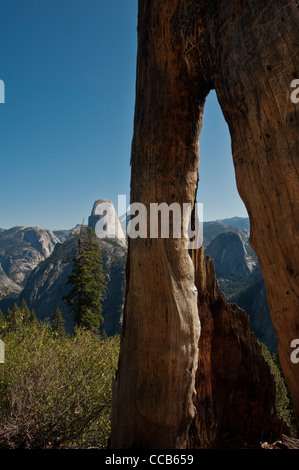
(282,402)
(55,391)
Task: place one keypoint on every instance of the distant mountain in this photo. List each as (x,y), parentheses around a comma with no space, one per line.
(105,222)
(33,265)
(46,285)
(254,301)
(214,228)
(229,254)
(7,283)
(237,222)
(62,235)
(236,266)
(21,250)
(239,275)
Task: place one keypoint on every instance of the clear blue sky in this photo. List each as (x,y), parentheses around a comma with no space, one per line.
(67,123)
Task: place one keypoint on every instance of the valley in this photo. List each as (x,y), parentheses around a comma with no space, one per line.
(35,267)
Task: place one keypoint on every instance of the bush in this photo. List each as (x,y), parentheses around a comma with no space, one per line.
(282,402)
(55,391)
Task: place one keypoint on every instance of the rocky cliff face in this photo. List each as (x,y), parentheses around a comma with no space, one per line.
(105,222)
(229,255)
(235,391)
(46,285)
(215,227)
(21,250)
(7,283)
(35,267)
(239,276)
(62,235)
(254,301)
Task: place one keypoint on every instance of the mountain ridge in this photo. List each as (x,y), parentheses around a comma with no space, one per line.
(226,241)
(21,250)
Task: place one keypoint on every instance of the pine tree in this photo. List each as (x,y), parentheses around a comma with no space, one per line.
(57,322)
(2,316)
(14,317)
(2,321)
(25,312)
(28,316)
(88,282)
(33,317)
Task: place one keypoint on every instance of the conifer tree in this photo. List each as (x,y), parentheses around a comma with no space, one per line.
(88,282)
(14,317)
(26,314)
(2,320)
(57,322)
(33,317)
(2,316)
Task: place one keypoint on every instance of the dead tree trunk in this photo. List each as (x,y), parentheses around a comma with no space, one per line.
(256,62)
(248,52)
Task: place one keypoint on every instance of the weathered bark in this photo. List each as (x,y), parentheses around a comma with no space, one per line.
(248,52)
(257,61)
(158,357)
(235,390)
